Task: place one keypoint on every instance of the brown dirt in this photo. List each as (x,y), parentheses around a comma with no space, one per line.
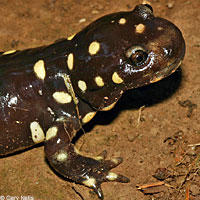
(168,123)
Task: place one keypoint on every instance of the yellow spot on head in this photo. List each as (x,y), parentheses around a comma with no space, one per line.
(70,61)
(116,78)
(39,69)
(52,132)
(37,132)
(140,28)
(71,37)
(82,85)
(9,52)
(88,117)
(91,182)
(122,21)
(99,81)
(109,107)
(94,48)
(62,97)
(62,156)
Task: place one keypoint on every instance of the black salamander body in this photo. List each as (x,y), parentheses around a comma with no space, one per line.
(48,93)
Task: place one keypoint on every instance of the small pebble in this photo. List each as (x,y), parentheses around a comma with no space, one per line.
(161,173)
(170,5)
(82,20)
(95,12)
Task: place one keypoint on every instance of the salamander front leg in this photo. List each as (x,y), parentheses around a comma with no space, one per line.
(68,161)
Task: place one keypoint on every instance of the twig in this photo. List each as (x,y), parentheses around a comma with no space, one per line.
(187,193)
(194,145)
(141,187)
(139,116)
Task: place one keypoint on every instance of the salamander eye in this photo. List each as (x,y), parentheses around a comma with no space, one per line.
(136,55)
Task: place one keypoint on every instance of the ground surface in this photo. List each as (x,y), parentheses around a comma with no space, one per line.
(169,122)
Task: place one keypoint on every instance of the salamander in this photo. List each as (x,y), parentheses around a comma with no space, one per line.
(48,93)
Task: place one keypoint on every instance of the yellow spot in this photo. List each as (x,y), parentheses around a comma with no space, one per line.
(82,85)
(71,37)
(88,117)
(99,81)
(39,69)
(111,176)
(37,132)
(99,158)
(90,182)
(62,156)
(62,97)
(94,48)
(109,107)
(115,160)
(9,52)
(140,28)
(70,61)
(52,132)
(122,21)
(116,78)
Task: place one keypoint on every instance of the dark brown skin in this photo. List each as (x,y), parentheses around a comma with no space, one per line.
(50,92)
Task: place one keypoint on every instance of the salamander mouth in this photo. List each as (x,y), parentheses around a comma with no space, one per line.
(166,71)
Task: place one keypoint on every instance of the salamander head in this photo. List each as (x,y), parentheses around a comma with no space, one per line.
(123,51)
